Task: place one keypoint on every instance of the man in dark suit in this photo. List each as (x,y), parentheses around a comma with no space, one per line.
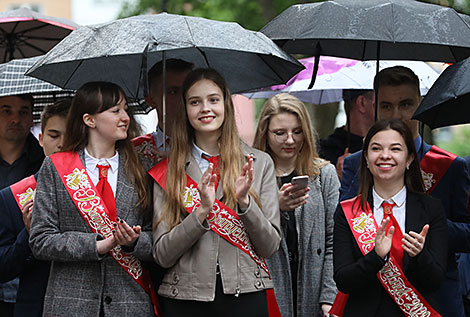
(20,156)
(16,260)
(398,96)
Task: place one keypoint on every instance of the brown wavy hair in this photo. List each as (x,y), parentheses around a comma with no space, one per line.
(307,162)
(231,158)
(96,97)
(413,178)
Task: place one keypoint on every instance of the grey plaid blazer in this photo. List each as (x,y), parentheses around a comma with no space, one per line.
(81,283)
(314,222)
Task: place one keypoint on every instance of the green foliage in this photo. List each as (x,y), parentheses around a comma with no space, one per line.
(458,144)
(251,14)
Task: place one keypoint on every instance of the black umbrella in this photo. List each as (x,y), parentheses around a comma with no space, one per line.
(14,82)
(372,29)
(26,33)
(123,51)
(448,100)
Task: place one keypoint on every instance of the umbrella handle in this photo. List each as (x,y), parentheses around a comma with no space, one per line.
(315,66)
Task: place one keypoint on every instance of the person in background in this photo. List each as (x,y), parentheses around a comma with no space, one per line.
(20,156)
(445,175)
(216,213)
(359,108)
(16,202)
(91,214)
(392,231)
(302,269)
(157,144)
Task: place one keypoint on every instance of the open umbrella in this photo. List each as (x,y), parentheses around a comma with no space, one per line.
(448,100)
(372,30)
(26,33)
(123,51)
(335,74)
(14,82)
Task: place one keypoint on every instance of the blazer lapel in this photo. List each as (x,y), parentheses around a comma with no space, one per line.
(123,191)
(411,220)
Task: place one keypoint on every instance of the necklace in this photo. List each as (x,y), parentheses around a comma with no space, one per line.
(284,172)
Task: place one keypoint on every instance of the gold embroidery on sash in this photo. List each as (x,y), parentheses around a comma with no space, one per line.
(26,196)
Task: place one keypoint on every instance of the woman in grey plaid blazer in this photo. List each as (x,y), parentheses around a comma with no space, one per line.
(302,269)
(84,279)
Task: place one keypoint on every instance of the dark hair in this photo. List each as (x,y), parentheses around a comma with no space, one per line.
(413,178)
(172,64)
(93,98)
(27,97)
(59,108)
(396,76)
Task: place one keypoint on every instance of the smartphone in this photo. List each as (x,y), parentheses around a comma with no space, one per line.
(300,181)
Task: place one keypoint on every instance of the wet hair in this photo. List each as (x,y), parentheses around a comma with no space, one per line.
(413,178)
(231,159)
(59,108)
(396,76)
(172,65)
(93,98)
(307,162)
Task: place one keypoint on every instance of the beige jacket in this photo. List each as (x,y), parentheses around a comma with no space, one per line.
(190,250)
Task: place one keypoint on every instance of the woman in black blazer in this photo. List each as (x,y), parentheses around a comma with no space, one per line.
(390,172)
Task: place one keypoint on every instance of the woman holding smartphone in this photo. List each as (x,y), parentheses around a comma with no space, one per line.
(216,216)
(91,213)
(302,269)
(390,241)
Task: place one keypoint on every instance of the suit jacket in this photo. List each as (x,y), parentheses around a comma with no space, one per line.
(355,273)
(452,191)
(81,282)
(190,251)
(314,222)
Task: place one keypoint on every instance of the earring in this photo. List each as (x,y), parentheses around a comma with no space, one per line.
(407,167)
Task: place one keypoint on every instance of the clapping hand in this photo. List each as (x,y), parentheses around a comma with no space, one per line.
(413,243)
(206,188)
(383,242)
(243,183)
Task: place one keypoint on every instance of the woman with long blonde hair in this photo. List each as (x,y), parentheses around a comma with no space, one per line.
(302,269)
(215,213)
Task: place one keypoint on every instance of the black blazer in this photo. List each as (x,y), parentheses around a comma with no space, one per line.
(356,274)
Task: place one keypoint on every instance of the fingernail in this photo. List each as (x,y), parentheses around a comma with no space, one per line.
(114,224)
(121,221)
(117,218)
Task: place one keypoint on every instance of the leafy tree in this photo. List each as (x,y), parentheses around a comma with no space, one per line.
(251,14)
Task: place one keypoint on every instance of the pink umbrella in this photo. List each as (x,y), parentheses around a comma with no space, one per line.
(335,74)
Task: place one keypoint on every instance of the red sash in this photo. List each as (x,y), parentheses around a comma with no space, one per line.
(24,190)
(434,166)
(364,228)
(145,145)
(222,220)
(90,205)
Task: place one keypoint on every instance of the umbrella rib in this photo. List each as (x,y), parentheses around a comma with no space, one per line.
(35,47)
(74,71)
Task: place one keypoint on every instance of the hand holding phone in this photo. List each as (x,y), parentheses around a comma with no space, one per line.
(300,181)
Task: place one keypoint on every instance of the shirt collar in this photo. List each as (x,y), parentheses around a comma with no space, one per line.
(399,198)
(418,143)
(113,162)
(198,153)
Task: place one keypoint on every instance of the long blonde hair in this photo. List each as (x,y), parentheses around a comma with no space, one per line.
(231,158)
(307,162)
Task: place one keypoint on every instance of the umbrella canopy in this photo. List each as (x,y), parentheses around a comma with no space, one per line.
(448,100)
(335,74)
(26,33)
(372,29)
(123,51)
(14,82)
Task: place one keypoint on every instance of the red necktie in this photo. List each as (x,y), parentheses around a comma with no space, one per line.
(215,161)
(396,250)
(106,192)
